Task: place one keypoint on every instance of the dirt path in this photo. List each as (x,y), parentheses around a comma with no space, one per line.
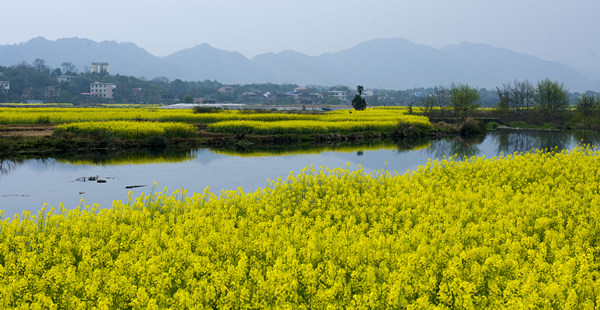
(26,130)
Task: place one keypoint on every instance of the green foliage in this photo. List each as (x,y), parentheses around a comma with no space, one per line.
(43,119)
(464,99)
(201,109)
(551,97)
(471,126)
(491,125)
(358,102)
(521,124)
(156,142)
(188,98)
(254,111)
(588,105)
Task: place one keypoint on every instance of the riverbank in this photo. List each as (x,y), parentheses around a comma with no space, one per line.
(241,130)
(25,142)
(42,131)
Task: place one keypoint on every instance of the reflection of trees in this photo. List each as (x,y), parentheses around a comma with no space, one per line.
(587,137)
(525,141)
(554,139)
(509,143)
(6,166)
(459,146)
(139,157)
(406,145)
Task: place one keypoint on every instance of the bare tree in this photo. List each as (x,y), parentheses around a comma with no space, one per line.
(518,95)
(505,102)
(68,68)
(40,65)
(523,94)
(427,103)
(441,96)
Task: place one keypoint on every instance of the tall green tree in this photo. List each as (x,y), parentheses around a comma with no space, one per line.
(588,105)
(358,102)
(464,99)
(551,97)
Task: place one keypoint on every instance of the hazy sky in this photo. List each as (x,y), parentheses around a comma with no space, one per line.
(560,30)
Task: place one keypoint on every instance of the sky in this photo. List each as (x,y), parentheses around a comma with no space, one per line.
(557,30)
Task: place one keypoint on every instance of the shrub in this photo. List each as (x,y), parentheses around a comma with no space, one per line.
(201,109)
(471,126)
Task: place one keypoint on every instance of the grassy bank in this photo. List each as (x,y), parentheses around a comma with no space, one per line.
(570,119)
(510,232)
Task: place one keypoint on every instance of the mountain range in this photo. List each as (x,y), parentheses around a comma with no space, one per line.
(393,63)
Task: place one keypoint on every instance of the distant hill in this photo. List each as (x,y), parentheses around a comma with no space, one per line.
(204,62)
(381,63)
(124,58)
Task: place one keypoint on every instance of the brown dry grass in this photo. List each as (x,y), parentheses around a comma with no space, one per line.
(26,130)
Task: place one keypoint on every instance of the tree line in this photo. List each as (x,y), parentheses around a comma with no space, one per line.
(547,96)
(32,81)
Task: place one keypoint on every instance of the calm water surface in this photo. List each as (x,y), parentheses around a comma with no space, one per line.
(28,184)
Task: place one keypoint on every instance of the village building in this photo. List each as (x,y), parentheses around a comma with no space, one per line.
(252,97)
(103,90)
(51,92)
(340,94)
(99,67)
(227,90)
(5,85)
(65,78)
(204,100)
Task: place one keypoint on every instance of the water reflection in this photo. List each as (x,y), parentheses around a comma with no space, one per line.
(308,149)
(524,141)
(457,146)
(27,184)
(503,142)
(7,165)
(132,158)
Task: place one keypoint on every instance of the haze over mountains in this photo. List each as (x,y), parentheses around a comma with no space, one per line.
(381,63)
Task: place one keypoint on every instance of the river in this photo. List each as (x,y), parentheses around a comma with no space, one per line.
(28,184)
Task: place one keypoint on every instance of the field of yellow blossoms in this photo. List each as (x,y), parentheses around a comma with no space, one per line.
(92,120)
(519,231)
(128,130)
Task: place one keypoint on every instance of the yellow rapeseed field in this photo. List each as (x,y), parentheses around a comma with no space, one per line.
(128,129)
(520,231)
(234,122)
(69,115)
(342,121)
